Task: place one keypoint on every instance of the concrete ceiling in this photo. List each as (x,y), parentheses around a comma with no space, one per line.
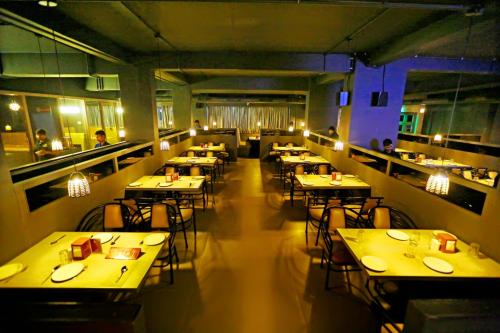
(16,40)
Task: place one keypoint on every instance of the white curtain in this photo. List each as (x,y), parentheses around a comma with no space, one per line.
(246,117)
(165,115)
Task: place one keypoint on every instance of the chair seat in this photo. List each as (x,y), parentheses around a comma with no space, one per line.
(316,213)
(186,214)
(341,256)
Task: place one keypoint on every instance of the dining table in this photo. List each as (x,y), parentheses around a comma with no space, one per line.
(294,149)
(206,148)
(39,263)
(159,184)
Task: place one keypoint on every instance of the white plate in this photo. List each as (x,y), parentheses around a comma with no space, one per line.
(325,176)
(374,263)
(135,184)
(436,232)
(198,177)
(439,265)
(349,176)
(104,237)
(6,271)
(307,183)
(67,272)
(154,239)
(335,182)
(165,184)
(397,234)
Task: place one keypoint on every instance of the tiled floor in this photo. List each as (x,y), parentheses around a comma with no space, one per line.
(250,269)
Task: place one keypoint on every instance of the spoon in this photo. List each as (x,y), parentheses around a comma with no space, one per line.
(53,270)
(114,240)
(123,270)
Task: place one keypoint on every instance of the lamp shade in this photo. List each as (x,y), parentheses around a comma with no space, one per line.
(192,132)
(78,185)
(164,145)
(290,129)
(306,133)
(339,146)
(56,145)
(258,124)
(214,124)
(121,134)
(205,128)
(438,138)
(438,183)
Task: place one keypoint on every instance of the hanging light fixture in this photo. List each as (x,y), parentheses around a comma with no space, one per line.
(214,124)
(192,132)
(14,106)
(258,124)
(422,108)
(164,145)
(8,128)
(170,122)
(121,134)
(119,110)
(78,185)
(56,145)
(437,138)
(46,3)
(339,146)
(205,128)
(290,128)
(306,133)
(438,183)
(302,124)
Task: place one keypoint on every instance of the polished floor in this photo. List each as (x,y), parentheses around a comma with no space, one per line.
(250,269)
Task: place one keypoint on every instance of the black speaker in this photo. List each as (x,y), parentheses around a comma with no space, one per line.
(379,98)
(342,98)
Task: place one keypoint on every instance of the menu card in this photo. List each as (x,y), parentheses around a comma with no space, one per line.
(124,253)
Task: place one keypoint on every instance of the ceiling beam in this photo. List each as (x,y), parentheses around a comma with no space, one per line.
(409,45)
(175,78)
(425,94)
(51,24)
(330,78)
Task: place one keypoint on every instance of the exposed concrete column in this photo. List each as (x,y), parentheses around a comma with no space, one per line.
(138,97)
(323,111)
(181,96)
(365,125)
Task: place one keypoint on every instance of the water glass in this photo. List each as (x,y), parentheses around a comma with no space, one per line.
(65,257)
(411,251)
(474,250)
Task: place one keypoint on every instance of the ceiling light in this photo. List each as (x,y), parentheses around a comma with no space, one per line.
(205,128)
(56,145)
(438,183)
(164,145)
(422,108)
(214,123)
(14,106)
(47,3)
(8,128)
(170,122)
(302,124)
(69,109)
(290,129)
(121,134)
(258,124)
(119,110)
(339,146)
(192,132)
(306,133)
(438,137)
(78,185)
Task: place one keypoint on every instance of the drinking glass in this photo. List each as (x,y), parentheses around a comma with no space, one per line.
(65,257)
(411,250)
(360,235)
(474,250)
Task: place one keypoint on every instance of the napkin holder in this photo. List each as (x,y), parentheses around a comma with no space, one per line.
(81,248)
(169,178)
(448,243)
(175,176)
(337,176)
(95,245)
(302,157)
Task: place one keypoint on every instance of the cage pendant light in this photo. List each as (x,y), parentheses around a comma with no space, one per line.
(339,146)
(164,145)
(78,185)
(438,183)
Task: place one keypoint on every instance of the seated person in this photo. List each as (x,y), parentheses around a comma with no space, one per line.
(389,148)
(43,148)
(100,136)
(332,133)
(197,124)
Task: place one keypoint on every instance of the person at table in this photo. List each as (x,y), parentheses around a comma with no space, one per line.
(100,137)
(43,149)
(197,124)
(389,148)
(332,133)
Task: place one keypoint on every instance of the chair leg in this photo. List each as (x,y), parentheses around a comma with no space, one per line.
(307,227)
(176,256)
(185,236)
(171,265)
(322,258)
(327,287)
(317,238)
(349,288)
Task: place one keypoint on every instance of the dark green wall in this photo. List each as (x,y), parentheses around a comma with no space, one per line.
(323,111)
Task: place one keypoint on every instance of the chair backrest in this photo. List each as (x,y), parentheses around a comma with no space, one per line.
(381,217)
(190,153)
(332,202)
(113,216)
(287,153)
(307,153)
(222,145)
(299,169)
(467,174)
(335,217)
(456,171)
(210,144)
(323,169)
(162,216)
(169,169)
(289,144)
(195,171)
(210,154)
(276,144)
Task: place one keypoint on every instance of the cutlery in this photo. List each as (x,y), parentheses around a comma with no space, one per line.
(114,240)
(57,240)
(123,270)
(53,270)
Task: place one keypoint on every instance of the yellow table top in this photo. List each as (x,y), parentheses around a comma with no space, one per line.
(442,164)
(291,149)
(307,160)
(376,242)
(100,274)
(151,183)
(213,148)
(322,182)
(193,160)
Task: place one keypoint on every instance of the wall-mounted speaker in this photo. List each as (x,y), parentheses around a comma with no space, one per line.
(379,98)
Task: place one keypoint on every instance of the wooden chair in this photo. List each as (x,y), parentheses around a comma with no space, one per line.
(334,252)
(191,153)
